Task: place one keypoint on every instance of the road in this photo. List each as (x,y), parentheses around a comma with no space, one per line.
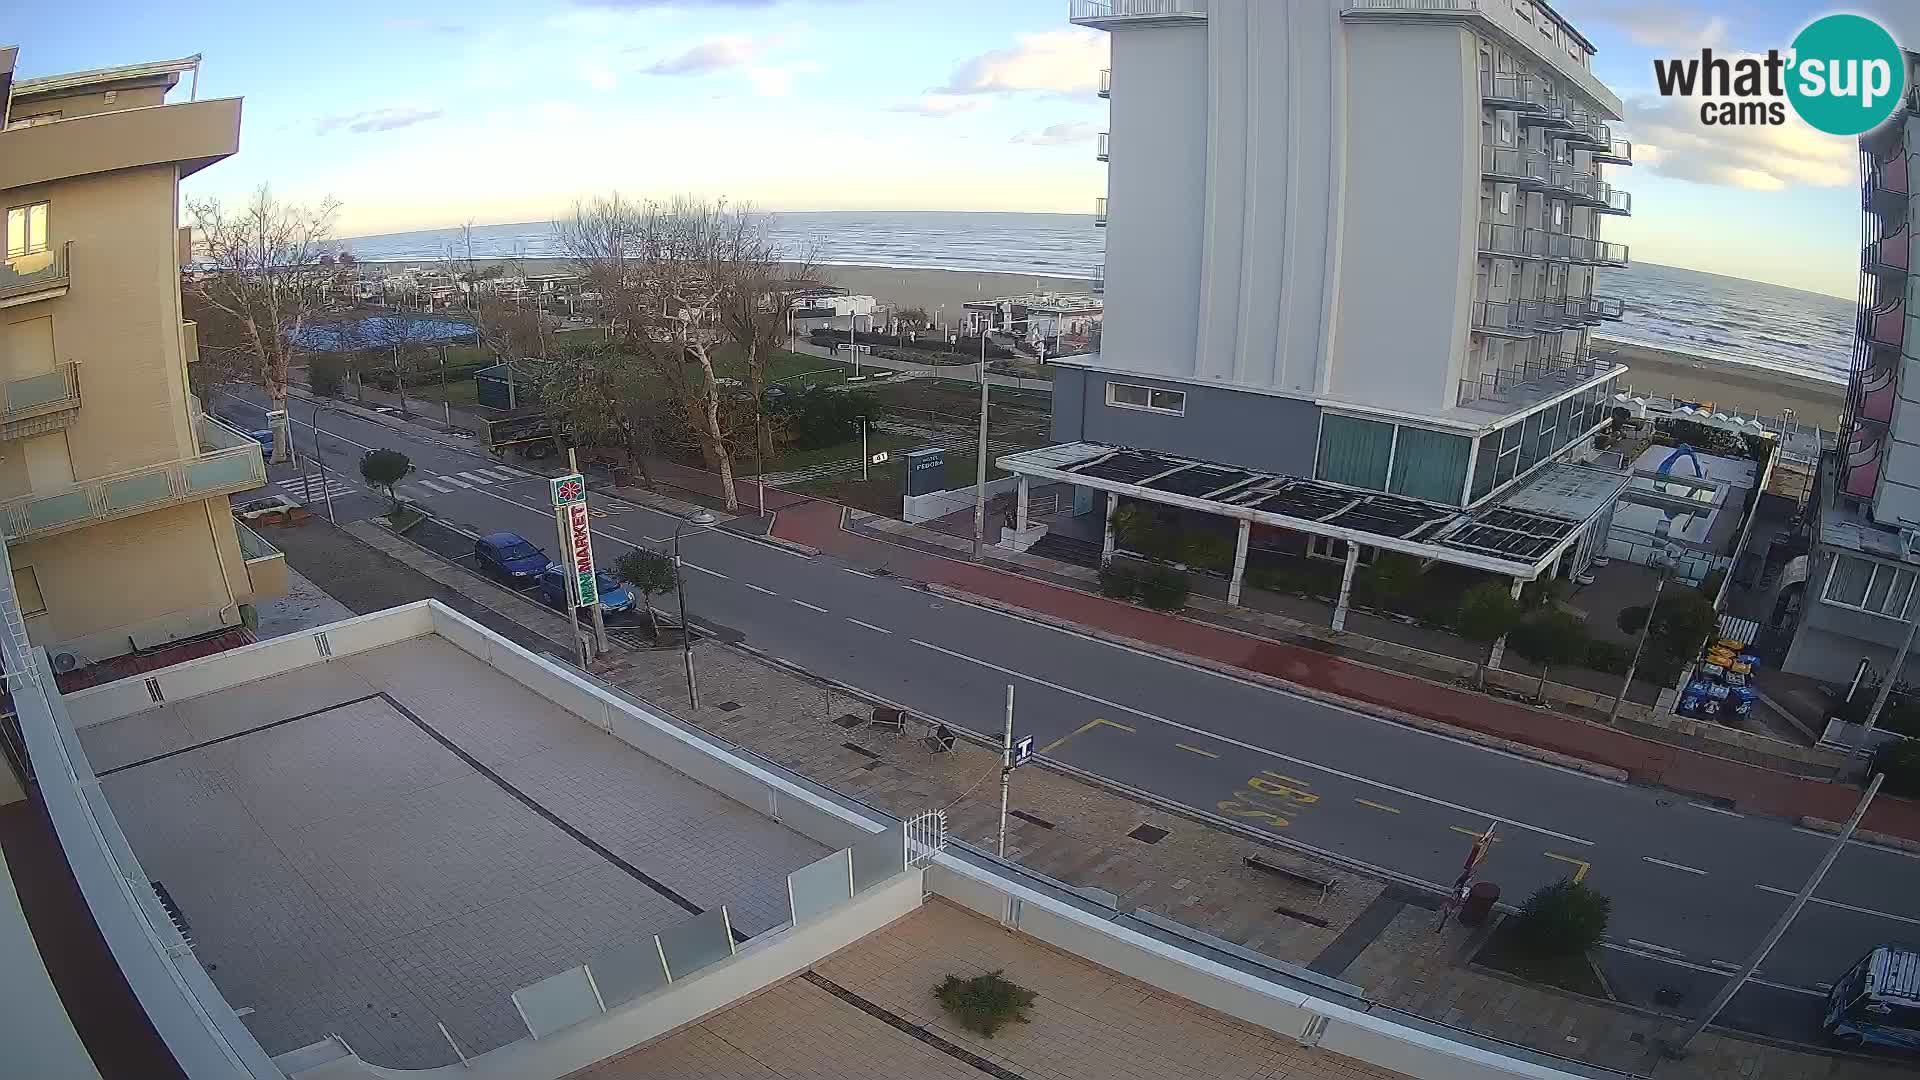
(1694,886)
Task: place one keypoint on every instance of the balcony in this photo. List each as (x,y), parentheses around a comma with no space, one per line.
(1506,166)
(1099,283)
(1100,151)
(1512,19)
(1508,90)
(1534,381)
(1574,183)
(1886,326)
(1873,394)
(229,462)
(1111,14)
(1616,152)
(1863,463)
(1886,188)
(1106,82)
(266,564)
(1613,201)
(1887,256)
(40,276)
(1100,212)
(1587,131)
(1605,254)
(1512,241)
(1512,318)
(1605,308)
(40,403)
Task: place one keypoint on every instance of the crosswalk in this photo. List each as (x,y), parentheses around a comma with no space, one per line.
(448,482)
(313,490)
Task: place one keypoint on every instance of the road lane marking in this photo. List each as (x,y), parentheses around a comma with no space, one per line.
(1682,867)
(1714,809)
(655,539)
(870,626)
(1379,806)
(430,485)
(1828,837)
(1190,729)
(1843,907)
(1727,965)
(702,569)
(813,607)
(1195,750)
(456,481)
(758,589)
(498,474)
(1655,948)
(856,573)
(1580,866)
(1288,779)
(1083,728)
(1678,961)
(477,477)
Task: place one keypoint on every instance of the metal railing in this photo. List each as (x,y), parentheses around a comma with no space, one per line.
(1532,378)
(1607,254)
(1106,82)
(1100,211)
(1618,151)
(1512,241)
(1615,200)
(1086,10)
(252,545)
(1581,185)
(1513,318)
(37,395)
(1602,307)
(1099,283)
(1100,153)
(42,271)
(1515,166)
(1504,86)
(220,470)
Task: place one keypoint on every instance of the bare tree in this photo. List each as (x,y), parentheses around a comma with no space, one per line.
(506,329)
(261,269)
(755,310)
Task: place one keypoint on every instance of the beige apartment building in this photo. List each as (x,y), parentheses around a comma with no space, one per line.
(113,484)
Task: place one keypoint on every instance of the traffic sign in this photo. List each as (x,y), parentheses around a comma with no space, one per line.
(1023,751)
(577,528)
(567,490)
(879,458)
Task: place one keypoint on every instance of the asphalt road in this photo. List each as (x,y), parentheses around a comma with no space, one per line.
(1694,887)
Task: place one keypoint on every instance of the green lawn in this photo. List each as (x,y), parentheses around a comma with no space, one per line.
(881,492)
(459,393)
(849,450)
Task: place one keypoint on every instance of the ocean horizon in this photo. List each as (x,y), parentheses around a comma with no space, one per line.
(1751,324)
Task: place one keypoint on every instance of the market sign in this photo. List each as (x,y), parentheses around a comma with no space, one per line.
(567,490)
(575,527)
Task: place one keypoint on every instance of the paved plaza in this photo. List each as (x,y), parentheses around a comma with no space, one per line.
(404,837)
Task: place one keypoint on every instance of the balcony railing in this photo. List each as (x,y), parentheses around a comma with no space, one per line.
(39,276)
(1886,326)
(1887,255)
(1509,166)
(1512,241)
(1606,254)
(1106,82)
(36,397)
(1511,318)
(1533,381)
(1099,11)
(1613,200)
(1100,212)
(1100,152)
(1886,188)
(266,565)
(1602,307)
(1617,152)
(220,471)
(1587,131)
(1573,182)
(1507,90)
(1099,281)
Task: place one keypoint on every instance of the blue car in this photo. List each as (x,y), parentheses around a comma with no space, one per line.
(264,437)
(615,597)
(508,555)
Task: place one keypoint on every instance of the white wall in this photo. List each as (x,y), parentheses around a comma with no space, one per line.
(1410,203)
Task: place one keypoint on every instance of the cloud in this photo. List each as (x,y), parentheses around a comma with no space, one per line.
(1057,61)
(418,25)
(713,54)
(1661,26)
(1057,135)
(776,80)
(939,105)
(372,120)
(1670,140)
(648,5)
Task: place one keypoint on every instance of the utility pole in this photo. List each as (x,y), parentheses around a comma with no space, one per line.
(599,618)
(1679,1048)
(1893,673)
(443,387)
(980,471)
(1613,714)
(863,449)
(1006,770)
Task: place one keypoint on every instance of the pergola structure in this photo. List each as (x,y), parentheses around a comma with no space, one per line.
(1522,535)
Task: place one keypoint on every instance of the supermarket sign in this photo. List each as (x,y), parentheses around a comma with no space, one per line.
(579,548)
(567,490)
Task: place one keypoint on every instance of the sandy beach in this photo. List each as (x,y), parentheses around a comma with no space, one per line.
(1653,372)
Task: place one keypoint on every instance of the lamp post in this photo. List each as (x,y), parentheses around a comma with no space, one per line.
(700,520)
(320,460)
(1664,562)
(980,471)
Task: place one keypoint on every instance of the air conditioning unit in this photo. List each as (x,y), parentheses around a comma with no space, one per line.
(63,661)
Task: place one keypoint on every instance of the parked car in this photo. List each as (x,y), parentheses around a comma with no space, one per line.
(264,437)
(508,555)
(615,597)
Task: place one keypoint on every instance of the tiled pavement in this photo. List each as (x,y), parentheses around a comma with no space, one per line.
(1194,874)
(345,872)
(1086,1023)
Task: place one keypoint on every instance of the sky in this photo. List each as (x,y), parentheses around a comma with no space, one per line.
(430,113)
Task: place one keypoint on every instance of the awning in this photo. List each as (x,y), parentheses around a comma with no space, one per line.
(1519,536)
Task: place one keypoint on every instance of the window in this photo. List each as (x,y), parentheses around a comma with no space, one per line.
(1149,398)
(1506,202)
(1559,217)
(26,230)
(1430,465)
(1354,452)
(1326,547)
(1484,464)
(1506,130)
(26,589)
(1875,588)
(34,120)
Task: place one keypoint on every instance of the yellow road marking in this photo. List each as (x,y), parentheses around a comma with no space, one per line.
(1288,779)
(1376,806)
(1195,750)
(1581,867)
(1475,833)
(1082,729)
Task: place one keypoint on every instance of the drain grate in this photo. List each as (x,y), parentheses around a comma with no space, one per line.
(1030,819)
(861,750)
(1149,834)
(173,911)
(728,706)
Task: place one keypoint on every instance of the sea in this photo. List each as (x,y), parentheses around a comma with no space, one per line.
(1735,320)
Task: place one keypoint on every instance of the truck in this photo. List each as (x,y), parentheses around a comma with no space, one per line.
(1877,1002)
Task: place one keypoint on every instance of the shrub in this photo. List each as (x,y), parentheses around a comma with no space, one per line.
(984,1003)
(649,573)
(1487,612)
(1561,920)
(1163,589)
(1609,656)
(825,418)
(1119,582)
(384,468)
(1631,619)
(1549,638)
(1901,762)
(325,373)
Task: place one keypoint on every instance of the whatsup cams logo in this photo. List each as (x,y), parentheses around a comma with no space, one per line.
(1844,75)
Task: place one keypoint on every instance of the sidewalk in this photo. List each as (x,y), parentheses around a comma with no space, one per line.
(818,525)
(1364,931)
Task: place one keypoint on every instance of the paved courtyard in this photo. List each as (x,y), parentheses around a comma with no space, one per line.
(406,836)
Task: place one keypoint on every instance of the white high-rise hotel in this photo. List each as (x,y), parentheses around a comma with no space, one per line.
(1351,240)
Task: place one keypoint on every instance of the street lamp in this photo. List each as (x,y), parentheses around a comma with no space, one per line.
(700,520)
(326,489)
